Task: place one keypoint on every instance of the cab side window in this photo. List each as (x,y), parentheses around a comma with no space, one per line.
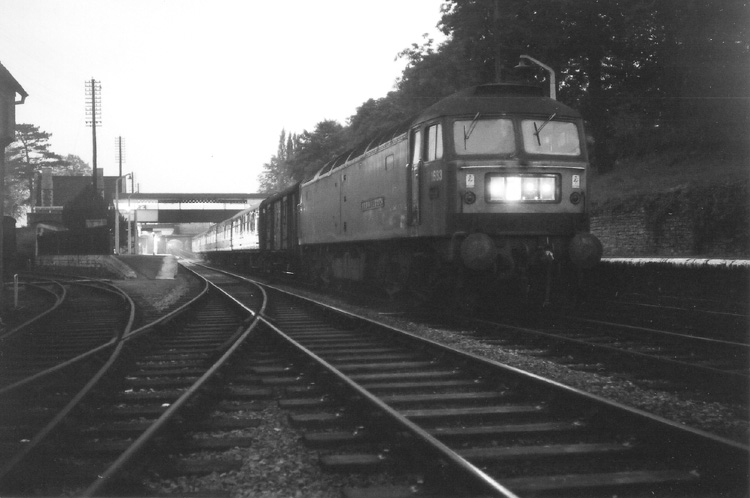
(416,152)
(434,142)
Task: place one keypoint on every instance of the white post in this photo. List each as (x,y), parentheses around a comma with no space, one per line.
(136,236)
(130,222)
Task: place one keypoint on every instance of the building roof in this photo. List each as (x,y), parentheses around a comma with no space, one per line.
(7,79)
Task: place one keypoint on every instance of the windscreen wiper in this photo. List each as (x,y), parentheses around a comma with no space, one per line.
(537,131)
(471,129)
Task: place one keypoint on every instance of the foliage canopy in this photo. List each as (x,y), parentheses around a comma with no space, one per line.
(647,75)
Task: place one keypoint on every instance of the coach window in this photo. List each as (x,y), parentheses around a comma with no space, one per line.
(434,142)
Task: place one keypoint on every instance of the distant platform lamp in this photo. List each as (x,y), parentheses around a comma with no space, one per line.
(528,62)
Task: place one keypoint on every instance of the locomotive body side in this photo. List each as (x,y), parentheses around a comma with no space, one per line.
(363,200)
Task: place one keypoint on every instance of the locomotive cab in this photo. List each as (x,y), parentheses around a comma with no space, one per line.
(503,171)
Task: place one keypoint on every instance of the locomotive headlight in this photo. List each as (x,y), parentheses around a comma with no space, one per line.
(496,188)
(513,191)
(522,188)
(547,188)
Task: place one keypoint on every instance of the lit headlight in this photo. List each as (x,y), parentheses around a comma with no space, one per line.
(524,188)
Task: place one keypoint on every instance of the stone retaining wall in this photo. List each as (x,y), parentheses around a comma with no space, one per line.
(711,222)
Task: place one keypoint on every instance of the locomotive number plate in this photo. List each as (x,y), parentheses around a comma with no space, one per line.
(576,181)
(376,203)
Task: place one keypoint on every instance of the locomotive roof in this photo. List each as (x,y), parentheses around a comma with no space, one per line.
(493,98)
(497,98)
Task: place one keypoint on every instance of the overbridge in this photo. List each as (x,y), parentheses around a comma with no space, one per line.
(166,222)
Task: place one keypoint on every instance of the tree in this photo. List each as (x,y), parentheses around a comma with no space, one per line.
(275,176)
(314,150)
(706,61)
(644,74)
(276,173)
(73,165)
(23,158)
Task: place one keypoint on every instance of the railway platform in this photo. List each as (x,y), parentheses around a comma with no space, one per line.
(158,284)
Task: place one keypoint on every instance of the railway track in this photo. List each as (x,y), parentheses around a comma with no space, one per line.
(86,315)
(52,362)
(160,399)
(31,299)
(727,319)
(711,368)
(384,399)
(179,399)
(48,360)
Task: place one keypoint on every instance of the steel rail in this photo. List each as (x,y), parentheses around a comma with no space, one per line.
(728,379)
(694,440)
(126,335)
(635,304)
(708,341)
(541,381)
(84,356)
(59,299)
(163,320)
(429,441)
(118,345)
(146,437)
(54,423)
(480,478)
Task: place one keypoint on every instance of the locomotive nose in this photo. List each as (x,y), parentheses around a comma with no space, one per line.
(585,250)
(478,251)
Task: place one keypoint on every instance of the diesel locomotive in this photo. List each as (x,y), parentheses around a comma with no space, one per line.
(483,192)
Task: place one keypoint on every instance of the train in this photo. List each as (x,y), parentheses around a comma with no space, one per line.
(483,193)
(236,236)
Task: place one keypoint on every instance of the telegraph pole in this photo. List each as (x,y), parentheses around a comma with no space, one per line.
(119,188)
(93,115)
(120,153)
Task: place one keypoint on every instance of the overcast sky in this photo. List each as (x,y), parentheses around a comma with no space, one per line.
(200,89)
